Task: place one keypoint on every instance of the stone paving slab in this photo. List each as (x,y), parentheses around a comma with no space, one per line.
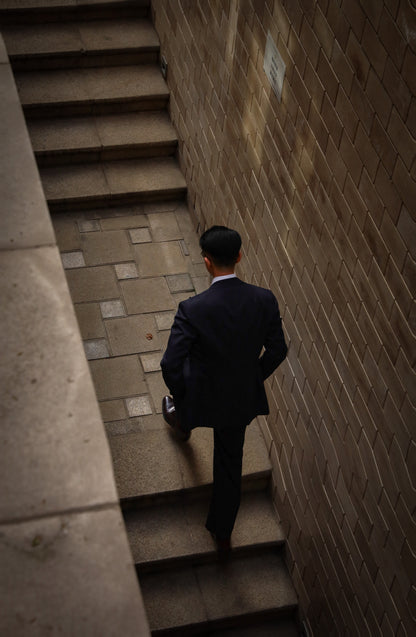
(132,334)
(164,226)
(92,284)
(103,248)
(67,232)
(113,410)
(124,221)
(118,377)
(147,295)
(81,556)
(89,320)
(120,311)
(159,259)
(189,235)
(157,389)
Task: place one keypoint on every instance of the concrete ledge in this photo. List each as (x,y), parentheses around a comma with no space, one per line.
(67,563)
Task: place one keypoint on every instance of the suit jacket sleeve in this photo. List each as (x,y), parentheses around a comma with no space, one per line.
(182,337)
(275,348)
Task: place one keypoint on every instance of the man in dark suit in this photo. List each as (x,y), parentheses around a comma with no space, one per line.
(215,367)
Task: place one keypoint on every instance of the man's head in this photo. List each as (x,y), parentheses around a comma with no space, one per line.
(221,247)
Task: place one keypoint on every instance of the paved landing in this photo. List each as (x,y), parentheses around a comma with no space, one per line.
(127,269)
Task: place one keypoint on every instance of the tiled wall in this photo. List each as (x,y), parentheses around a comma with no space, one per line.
(322,188)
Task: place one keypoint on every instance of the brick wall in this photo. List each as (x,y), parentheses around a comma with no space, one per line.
(321,187)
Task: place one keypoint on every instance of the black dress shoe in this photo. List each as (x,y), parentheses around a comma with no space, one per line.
(223,545)
(169,414)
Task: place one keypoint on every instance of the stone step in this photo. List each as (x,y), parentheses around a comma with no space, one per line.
(58,93)
(174,533)
(41,11)
(152,466)
(282,628)
(102,138)
(81,44)
(194,600)
(109,183)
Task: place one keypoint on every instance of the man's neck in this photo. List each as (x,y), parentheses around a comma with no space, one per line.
(221,272)
(223,277)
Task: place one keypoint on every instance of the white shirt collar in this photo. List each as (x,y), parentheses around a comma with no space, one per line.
(223,278)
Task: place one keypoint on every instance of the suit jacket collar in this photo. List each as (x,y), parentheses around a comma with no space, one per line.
(226,283)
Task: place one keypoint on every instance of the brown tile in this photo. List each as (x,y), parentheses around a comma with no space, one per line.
(397,88)
(356,17)
(379,98)
(388,192)
(351,158)
(403,140)
(391,37)
(404,183)
(408,66)
(332,120)
(322,31)
(373,48)
(369,196)
(342,66)
(362,105)
(327,76)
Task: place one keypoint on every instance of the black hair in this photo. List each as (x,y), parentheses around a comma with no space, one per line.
(221,244)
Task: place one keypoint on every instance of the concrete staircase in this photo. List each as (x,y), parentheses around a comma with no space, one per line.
(95,103)
(96,109)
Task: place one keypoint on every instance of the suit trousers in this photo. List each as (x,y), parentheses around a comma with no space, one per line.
(226,493)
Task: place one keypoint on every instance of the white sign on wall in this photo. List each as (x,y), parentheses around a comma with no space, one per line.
(274,67)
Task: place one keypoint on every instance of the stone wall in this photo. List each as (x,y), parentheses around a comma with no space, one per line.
(321,185)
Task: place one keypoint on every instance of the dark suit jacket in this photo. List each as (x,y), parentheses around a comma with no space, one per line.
(213,365)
